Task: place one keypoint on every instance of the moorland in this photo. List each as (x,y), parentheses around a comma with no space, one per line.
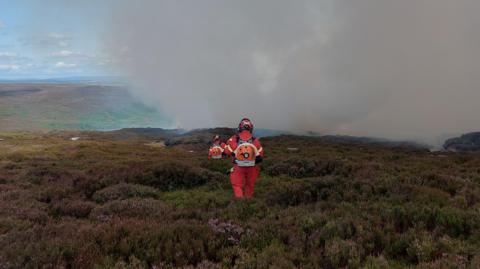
(137,201)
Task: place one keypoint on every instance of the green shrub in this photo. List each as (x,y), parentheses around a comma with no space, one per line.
(123,191)
(456,222)
(422,249)
(401,218)
(9,223)
(376,263)
(398,245)
(273,256)
(294,193)
(302,167)
(56,245)
(73,208)
(237,257)
(173,175)
(89,185)
(264,233)
(133,208)
(52,193)
(446,261)
(475,261)
(308,225)
(343,229)
(37,175)
(176,244)
(446,183)
(342,253)
(220,166)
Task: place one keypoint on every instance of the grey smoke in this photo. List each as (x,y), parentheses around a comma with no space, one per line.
(398,69)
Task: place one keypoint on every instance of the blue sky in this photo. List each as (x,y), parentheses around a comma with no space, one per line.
(53,38)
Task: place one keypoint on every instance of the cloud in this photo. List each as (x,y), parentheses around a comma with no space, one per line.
(8,56)
(14,61)
(64,65)
(62,53)
(10,67)
(61,39)
(47,41)
(11,61)
(71,54)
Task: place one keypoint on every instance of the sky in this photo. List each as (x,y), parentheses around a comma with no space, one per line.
(48,39)
(404,69)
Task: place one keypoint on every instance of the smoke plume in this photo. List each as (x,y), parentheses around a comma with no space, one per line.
(398,69)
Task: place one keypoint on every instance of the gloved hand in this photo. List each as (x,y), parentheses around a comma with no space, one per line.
(258,159)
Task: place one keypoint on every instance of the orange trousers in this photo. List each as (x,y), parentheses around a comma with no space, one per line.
(243,180)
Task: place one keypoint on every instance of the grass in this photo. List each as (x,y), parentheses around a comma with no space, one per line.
(95,203)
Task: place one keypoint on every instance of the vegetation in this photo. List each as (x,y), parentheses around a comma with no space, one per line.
(123,204)
(53,106)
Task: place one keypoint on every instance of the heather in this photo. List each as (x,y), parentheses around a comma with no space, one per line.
(100,203)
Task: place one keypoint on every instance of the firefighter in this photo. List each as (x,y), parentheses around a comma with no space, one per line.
(217,148)
(247,153)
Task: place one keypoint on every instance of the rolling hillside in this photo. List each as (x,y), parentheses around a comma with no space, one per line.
(31,106)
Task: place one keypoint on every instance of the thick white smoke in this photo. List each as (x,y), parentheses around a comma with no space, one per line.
(399,69)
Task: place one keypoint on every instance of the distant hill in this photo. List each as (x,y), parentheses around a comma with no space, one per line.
(373,141)
(465,143)
(103,80)
(69,106)
(79,104)
(145,133)
(202,137)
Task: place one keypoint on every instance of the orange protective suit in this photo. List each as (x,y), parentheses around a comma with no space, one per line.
(246,152)
(216,150)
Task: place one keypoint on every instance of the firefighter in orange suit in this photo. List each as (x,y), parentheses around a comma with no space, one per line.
(247,153)
(217,148)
